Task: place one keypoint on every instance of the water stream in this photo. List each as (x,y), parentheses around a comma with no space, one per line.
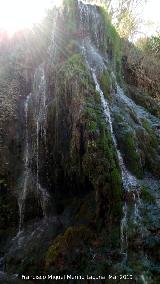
(41,132)
(96,65)
(22,196)
(40,116)
(128,180)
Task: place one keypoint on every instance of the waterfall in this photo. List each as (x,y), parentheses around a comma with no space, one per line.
(22,196)
(137,204)
(40,117)
(127,179)
(97,64)
(37,154)
(130,183)
(91,23)
(41,132)
(124,232)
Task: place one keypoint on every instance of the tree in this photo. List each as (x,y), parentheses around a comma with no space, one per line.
(150,45)
(125,15)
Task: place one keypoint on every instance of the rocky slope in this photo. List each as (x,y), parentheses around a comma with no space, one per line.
(79,184)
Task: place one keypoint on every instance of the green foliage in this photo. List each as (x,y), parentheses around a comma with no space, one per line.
(116,182)
(150,45)
(127,25)
(131,155)
(146,125)
(126,17)
(70,16)
(144,99)
(100,161)
(117,195)
(69,3)
(74,68)
(153,140)
(105,82)
(146,195)
(119,118)
(113,42)
(130,147)
(92,126)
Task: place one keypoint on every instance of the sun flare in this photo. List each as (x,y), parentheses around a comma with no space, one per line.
(19,14)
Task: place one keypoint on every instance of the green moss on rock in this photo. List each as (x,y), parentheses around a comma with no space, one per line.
(100,160)
(146,195)
(92,155)
(132,155)
(149,145)
(73,237)
(128,145)
(112,42)
(86,212)
(106,83)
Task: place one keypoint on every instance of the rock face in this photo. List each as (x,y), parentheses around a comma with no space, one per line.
(72,141)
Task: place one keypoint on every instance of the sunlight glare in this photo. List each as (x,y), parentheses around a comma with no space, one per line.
(19,14)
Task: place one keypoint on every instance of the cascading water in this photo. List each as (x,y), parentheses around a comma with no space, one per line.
(127,179)
(40,122)
(37,154)
(124,232)
(137,204)
(40,116)
(22,197)
(130,183)
(97,64)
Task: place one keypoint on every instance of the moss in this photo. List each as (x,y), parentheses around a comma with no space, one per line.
(148,143)
(73,237)
(91,119)
(92,126)
(146,195)
(72,47)
(74,68)
(105,82)
(112,42)
(69,3)
(105,141)
(144,99)
(117,194)
(118,118)
(99,155)
(100,162)
(153,138)
(92,153)
(100,140)
(70,15)
(131,154)
(74,85)
(86,211)
(146,124)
